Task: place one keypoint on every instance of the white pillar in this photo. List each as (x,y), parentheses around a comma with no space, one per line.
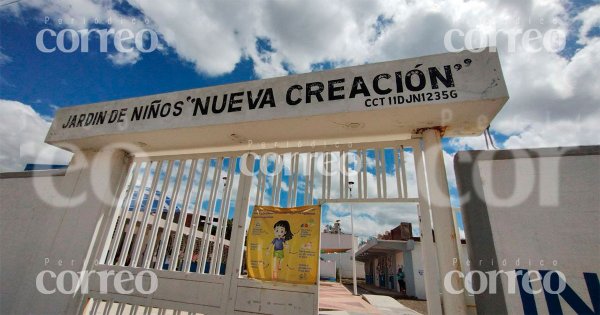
(428,254)
(236,249)
(100,181)
(339,262)
(456,230)
(353,242)
(353,252)
(441,212)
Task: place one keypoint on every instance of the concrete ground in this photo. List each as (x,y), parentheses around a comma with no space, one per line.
(415,304)
(387,305)
(337,299)
(334,298)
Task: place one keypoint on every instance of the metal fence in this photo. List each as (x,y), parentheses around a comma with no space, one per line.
(187,214)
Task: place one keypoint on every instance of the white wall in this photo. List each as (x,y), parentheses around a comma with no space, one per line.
(419,272)
(343,260)
(344,263)
(327,269)
(334,241)
(42,227)
(556,220)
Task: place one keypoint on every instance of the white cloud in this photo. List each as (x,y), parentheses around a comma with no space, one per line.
(581,131)
(469,143)
(589,19)
(4,59)
(208,34)
(23,132)
(372,219)
(87,14)
(553,99)
(545,87)
(125,58)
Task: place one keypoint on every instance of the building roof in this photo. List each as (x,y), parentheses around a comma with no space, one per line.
(377,247)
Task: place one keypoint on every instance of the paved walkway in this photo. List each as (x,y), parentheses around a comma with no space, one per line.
(380,291)
(334,298)
(417,305)
(387,305)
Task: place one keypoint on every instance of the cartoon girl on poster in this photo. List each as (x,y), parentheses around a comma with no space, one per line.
(283,234)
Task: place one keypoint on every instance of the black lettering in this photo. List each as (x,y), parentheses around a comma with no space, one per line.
(177,108)
(100,118)
(332,88)
(65,125)
(399,86)
(223,105)
(89,119)
(162,110)
(435,75)
(122,114)
(310,92)
(202,107)
(153,109)
(252,103)
(376,86)
(359,87)
(234,99)
(288,96)
(137,113)
(409,81)
(268,98)
(114,114)
(80,120)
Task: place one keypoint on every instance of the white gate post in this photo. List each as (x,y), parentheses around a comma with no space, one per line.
(355,291)
(441,212)
(428,254)
(236,242)
(101,179)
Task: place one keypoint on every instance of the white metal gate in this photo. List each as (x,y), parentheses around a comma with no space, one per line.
(184,217)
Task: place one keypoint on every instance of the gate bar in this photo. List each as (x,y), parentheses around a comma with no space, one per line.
(157,217)
(147,209)
(191,246)
(134,215)
(171,213)
(215,258)
(182,216)
(122,217)
(208,221)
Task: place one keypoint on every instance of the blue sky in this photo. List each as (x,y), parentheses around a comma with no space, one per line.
(554,95)
(50,80)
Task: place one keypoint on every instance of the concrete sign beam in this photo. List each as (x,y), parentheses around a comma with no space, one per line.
(383,101)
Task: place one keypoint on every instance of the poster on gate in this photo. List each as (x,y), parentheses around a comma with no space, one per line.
(283,244)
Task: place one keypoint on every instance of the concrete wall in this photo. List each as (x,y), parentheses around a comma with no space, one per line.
(418,272)
(327,269)
(344,262)
(50,222)
(537,210)
(335,241)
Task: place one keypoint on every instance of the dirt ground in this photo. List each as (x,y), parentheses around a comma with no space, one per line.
(417,305)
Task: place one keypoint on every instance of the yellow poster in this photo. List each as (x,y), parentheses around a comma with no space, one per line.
(283,244)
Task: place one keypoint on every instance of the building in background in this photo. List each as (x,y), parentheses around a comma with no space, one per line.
(336,254)
(382,256)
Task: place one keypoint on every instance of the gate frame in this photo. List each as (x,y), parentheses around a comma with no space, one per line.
(427,158)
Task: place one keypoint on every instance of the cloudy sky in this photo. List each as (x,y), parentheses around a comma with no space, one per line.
(553,84)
